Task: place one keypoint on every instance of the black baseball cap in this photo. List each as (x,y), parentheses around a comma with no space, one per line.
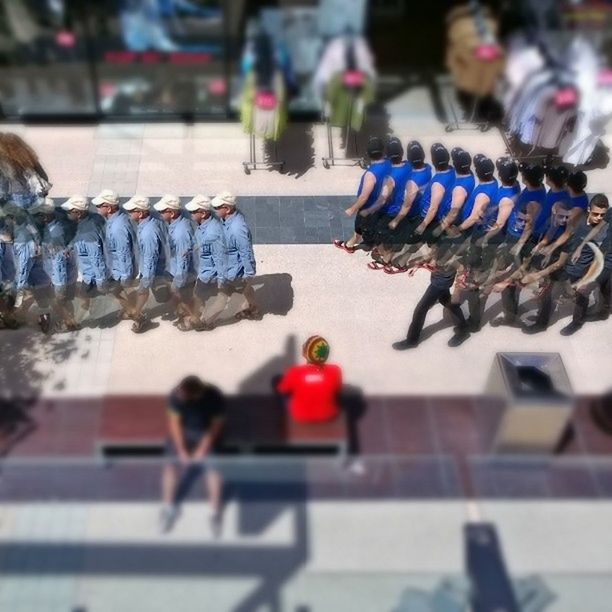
(415,152)
(395,148)
(462,160)
(484,168)
(439,154)
(375,146)
(507,169)
(577,180)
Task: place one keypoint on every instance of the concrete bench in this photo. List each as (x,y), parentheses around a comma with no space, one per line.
(254,424)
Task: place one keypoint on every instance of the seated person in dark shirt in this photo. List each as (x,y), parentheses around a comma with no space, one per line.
(196,412)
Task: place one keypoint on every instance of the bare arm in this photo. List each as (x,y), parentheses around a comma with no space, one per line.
(481,202)
(176,434)
(409,197)
(459,197)
(209,438)
(503,214)
(437,193)
(369,182)
(532,277)
(385,192)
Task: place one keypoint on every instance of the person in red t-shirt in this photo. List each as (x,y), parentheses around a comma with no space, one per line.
(313,388)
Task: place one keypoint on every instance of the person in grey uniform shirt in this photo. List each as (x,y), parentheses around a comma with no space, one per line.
(211,261)
(152,257)
(88,247)
(59,267)
(31,280)
(120,244)
(241,268)
(181,245)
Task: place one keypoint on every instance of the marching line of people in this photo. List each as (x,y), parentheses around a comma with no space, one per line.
(478,234)
(193,258)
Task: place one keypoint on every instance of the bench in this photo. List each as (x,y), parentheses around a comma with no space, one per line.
(136,426)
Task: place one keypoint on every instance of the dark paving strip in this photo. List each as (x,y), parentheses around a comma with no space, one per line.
(230,561)
(291,219)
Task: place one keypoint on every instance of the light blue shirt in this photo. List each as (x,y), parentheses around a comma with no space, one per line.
(212,259)
(57,262)
(240,255)
(88,247)
(181,242)
(151,244)
(120,241)
(26,251)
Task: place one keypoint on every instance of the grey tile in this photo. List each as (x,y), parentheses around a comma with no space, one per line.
(288,235)
(268,235)
(267,212)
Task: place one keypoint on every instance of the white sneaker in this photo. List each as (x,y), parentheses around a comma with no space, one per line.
(167,518)
(216,524)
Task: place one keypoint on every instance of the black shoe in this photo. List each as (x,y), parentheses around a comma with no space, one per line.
(459,338)
(536,328)
(570,329)
(507,321)
(404,345)
(473,326)
(603,314)
(44,322)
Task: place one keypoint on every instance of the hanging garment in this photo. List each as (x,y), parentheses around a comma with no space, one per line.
(347,101)
(334,62)
(474,58)
(264,113)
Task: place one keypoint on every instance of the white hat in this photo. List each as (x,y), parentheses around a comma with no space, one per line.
(199,202)
(168,202)
(76,202)
(224,198)
(45,206)
(138,202)
(106,196)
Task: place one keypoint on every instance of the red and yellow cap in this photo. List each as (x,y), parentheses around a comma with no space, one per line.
(316,349)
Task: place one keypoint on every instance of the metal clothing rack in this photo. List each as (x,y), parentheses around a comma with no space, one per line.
(331,159)
(253,164)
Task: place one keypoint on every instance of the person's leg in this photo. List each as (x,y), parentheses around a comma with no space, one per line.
(581,306)
(168,485)
(475,307)
(605,288)
(509,298)
(430,297)
(214,488)
(455,309)
(249,310)
(219,298)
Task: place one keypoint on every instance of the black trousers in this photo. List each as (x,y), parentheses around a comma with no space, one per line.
(432,295)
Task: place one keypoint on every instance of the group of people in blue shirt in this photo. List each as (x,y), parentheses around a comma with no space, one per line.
(193,257)
(478,233)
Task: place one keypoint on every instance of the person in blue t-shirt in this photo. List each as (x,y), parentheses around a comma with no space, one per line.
(519,235)
(566,214)
(464,186)
(373,191)
(437,196)
(471,216)
(399,177)
(555,179)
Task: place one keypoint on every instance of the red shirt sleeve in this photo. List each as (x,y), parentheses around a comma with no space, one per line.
(287,382)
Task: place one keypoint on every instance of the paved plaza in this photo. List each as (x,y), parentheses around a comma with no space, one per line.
(302,552)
